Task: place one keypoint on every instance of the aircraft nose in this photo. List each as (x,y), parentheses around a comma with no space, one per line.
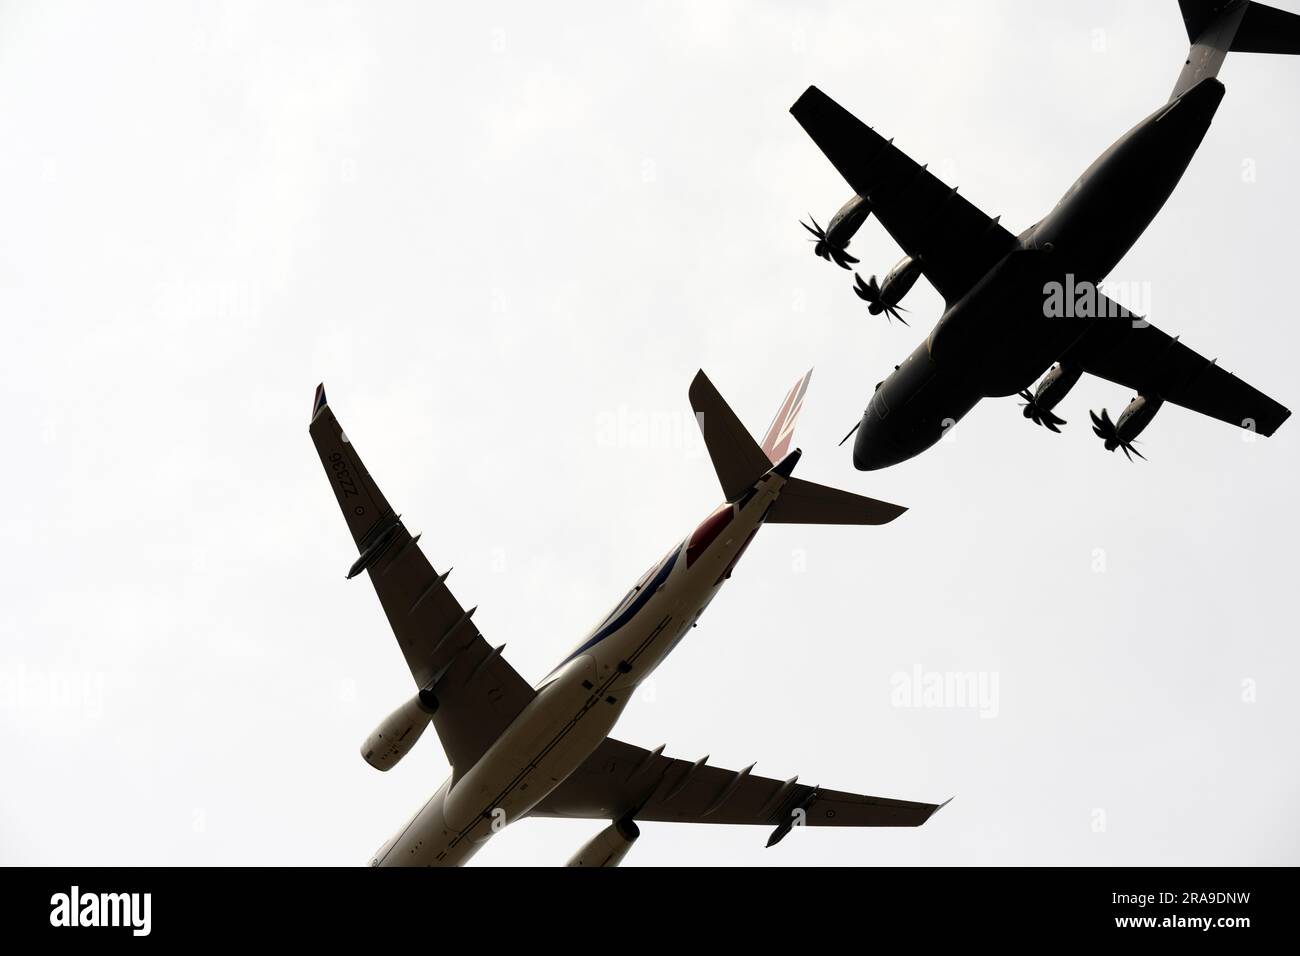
(875,447)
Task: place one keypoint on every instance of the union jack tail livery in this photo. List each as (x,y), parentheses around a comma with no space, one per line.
(776,445)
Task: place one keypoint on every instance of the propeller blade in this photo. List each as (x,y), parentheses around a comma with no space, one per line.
(867,291)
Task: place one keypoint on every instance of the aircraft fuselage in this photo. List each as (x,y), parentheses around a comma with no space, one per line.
(579,702)
(996,340)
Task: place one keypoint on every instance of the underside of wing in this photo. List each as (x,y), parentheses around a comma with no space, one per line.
(620,780)
(1134,353)
(954,241)
(477,692)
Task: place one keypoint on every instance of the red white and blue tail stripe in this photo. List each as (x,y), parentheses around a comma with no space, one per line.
(776,444)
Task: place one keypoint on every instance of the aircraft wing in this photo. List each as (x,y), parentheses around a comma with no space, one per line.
(619,779)
(955,242)
(1134,353)
(478,693)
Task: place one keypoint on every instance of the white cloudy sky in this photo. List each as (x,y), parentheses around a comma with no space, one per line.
(506,237)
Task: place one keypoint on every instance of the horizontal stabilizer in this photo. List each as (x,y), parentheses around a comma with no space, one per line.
(1216,29)
(805,502)
(1267,30)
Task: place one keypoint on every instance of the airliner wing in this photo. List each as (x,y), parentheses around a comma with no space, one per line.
(620,779)
(955,242)
(478,693)
(1134,353)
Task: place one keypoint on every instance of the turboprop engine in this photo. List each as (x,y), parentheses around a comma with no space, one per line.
(885,296)
(1132,421)
(396,735)
(609,846)
(1055,385)
(832,241)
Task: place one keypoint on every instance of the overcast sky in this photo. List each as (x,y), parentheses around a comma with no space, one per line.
(506,236)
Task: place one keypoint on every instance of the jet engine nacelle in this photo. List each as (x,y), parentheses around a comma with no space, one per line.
(609,846)
(393,739)
(898,283)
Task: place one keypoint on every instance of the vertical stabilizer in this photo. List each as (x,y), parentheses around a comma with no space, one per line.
(1219,27)
(737,458)
(740,462)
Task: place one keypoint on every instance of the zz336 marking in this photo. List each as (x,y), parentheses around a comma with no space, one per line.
(340,466)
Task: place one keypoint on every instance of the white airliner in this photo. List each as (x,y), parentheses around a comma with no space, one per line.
(518,751)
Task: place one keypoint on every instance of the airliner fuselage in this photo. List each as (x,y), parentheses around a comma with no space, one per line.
(579,702)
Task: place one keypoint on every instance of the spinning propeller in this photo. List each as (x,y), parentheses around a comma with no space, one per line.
(870,293)
(1039,415)
(825,248)
(1105,429)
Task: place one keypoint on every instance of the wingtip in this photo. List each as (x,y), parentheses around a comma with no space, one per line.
(810,90)
(320,401)
(941,806)
(892,512)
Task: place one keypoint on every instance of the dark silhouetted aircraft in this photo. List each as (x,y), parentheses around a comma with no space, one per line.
(1018,305)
